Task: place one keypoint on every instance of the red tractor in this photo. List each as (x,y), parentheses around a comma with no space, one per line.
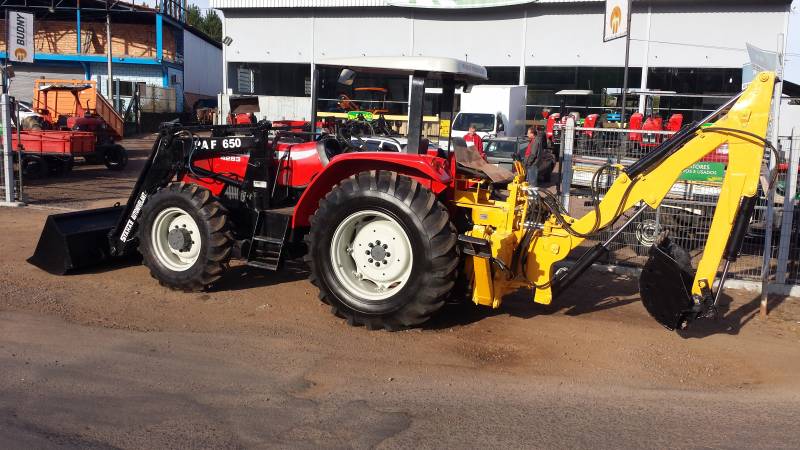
(207,194)
(76,105)
(654,131)
(556,122)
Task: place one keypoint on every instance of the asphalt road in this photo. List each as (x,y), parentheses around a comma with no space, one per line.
(74,386)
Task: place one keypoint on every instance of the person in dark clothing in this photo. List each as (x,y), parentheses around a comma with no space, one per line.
(532,154)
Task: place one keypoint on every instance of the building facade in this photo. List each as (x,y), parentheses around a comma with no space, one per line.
(151,46)
(684,46)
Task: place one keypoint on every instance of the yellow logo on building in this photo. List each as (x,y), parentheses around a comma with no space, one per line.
(616,19)
(20,54)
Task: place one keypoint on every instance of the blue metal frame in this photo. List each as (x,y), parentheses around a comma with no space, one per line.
(159,37)
(78,28)
(89,58)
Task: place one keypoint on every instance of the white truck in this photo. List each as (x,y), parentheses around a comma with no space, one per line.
(494,110)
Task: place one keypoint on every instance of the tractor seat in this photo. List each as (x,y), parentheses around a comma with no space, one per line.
(470,161)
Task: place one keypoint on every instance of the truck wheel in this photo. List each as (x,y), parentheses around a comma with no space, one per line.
(34,167)
(382,251)
(116,157)
(59,166)
(184,237)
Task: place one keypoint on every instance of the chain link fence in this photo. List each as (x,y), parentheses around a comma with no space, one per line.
(689,207)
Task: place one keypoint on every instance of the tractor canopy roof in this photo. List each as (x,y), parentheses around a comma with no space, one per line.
(435,67)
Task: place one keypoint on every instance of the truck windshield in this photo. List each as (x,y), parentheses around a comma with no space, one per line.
(482,122)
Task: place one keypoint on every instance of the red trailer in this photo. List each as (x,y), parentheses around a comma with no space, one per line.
(51,152)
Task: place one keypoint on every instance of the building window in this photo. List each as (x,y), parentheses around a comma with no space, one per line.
(287,80)
(244,80)
(125,88)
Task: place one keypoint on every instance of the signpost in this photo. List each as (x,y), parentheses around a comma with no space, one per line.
(617,24)
(19,48)
(20,37)
(712,172)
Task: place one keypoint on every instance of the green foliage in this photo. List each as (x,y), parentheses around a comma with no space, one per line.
(210,23)
(213,25)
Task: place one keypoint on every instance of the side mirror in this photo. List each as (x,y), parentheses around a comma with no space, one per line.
(346,77)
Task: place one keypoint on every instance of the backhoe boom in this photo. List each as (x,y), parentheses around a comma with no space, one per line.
(671,290)
(746,119)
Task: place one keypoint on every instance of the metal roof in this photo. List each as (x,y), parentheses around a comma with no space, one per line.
(223,4)
(442,4)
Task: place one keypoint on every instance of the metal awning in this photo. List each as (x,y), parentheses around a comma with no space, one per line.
(407,65)
(575,92)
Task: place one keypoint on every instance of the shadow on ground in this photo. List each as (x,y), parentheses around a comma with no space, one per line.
(598,292)
(728,320)
(244,277)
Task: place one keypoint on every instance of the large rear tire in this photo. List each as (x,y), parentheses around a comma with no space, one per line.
(184,237)
(382,251)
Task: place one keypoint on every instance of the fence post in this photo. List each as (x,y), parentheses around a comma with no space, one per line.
(8,169)
(789,192)
(567,146)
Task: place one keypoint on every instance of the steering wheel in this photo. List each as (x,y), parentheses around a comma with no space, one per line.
(355,129)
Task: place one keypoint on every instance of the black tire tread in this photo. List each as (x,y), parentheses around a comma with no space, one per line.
(438,230)
(219,244)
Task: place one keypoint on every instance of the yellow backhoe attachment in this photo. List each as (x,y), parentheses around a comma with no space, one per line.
(516,241)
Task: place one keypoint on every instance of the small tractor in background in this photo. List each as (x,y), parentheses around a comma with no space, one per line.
(556,122)
(651,123)
(76,106)
(390,236)
(365,99)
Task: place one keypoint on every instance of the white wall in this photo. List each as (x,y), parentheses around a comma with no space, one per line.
(201,61)
(687,35)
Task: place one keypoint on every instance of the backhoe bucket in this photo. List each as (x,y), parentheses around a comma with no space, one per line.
(666,285)
(75,240)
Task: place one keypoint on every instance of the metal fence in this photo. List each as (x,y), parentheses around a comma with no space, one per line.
(689,207)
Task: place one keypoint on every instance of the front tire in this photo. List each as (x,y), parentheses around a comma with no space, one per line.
(382,251)
(184,237)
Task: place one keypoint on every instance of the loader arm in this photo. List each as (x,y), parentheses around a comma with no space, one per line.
(650,180)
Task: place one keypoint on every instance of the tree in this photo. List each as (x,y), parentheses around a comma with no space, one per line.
(194,16)
(210,23)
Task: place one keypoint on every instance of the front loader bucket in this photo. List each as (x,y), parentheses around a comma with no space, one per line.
(75,240)
(666,285)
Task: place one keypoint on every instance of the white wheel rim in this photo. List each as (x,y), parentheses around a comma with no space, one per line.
(646,232)
(174,259)
(371,255)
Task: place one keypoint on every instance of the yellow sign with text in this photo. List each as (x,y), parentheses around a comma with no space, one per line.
(444,128)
